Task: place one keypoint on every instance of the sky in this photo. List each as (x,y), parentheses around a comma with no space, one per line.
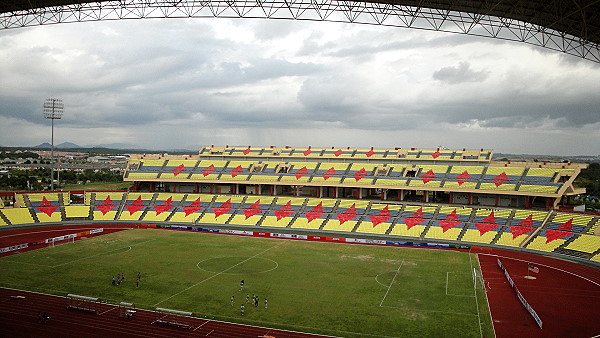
(185,83)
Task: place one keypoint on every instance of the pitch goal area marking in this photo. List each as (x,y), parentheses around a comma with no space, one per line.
(446,287)
(426,310)
(129,248)
(447,282)
(475,293)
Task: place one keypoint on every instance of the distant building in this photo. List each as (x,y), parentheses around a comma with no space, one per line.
(98,159)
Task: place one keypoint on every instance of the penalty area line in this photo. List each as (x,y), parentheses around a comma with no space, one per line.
(452,294)
(436,311)
(103,253)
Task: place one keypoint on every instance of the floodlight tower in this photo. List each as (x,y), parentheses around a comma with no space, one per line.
(53,110)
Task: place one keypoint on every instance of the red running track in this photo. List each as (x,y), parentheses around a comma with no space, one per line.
(565,296)
(19,318)
(38,233)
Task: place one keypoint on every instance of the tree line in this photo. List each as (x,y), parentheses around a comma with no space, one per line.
(37,179)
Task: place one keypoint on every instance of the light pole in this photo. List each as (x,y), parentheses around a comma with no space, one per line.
(53,110)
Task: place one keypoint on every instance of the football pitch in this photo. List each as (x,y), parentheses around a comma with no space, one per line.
(327,288)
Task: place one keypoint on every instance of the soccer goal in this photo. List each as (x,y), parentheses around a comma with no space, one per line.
(126,310)
(477,279)
(65,239)
(173,318)
(83,303)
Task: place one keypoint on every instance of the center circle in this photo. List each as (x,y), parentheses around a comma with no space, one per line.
(237,265)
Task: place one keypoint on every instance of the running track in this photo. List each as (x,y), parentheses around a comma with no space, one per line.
(19,318)
(565,295)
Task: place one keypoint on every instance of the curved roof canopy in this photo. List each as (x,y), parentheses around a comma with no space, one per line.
(579,18)
(570,26)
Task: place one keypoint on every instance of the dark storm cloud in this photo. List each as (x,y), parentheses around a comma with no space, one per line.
(506,105)
(459,74)
(135,82)
(278,82)
(518,111)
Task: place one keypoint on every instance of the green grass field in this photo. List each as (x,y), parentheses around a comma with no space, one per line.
(334,289)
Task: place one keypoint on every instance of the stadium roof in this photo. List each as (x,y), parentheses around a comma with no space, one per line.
(579,18)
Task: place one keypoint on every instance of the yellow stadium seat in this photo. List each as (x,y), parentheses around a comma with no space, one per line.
(585,243)
(77,211)
(510,171)
(438,233)
(402,229)
(305,223)
(2,221)
(18,216)
(371,226)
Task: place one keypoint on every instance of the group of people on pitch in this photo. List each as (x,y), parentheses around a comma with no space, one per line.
(255,299)
(121,278)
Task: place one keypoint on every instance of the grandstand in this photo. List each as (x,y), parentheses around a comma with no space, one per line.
(455,197)
(462,177)
(557,233)
(431,198)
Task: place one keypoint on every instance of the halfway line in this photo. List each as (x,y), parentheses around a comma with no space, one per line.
(217,274)
(392,282)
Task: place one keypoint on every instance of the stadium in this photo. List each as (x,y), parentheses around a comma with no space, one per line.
(302,241)
(422,200)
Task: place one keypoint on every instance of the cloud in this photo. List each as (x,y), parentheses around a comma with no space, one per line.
(459,74)
(189,82)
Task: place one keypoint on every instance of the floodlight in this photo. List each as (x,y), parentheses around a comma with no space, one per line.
(53,110)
